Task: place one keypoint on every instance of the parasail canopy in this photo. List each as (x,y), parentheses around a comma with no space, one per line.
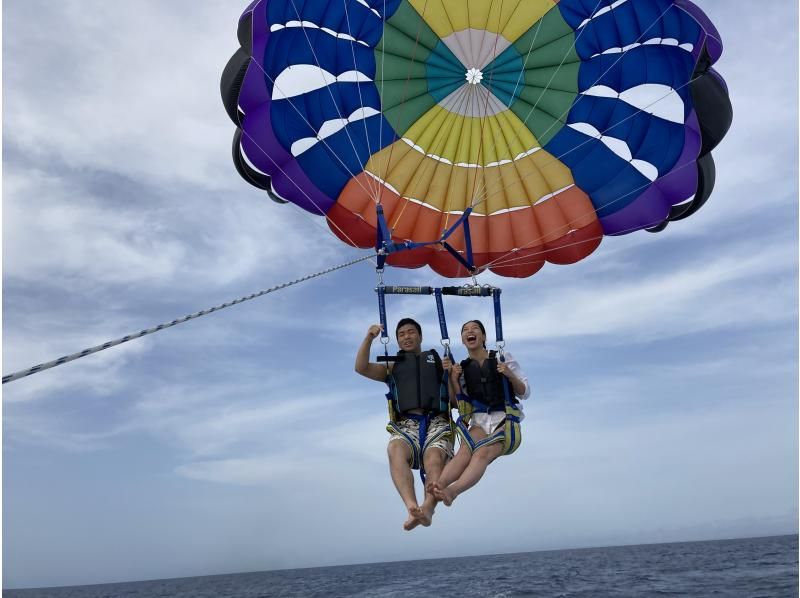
(555,123)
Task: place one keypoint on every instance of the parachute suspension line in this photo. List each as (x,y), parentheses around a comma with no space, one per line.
(477,185)
(599,78)
(441,139)
(517,136)
(528,53)
(557,158)
(524,260)
(703,27)
(547,85)
(450,197)
(286,175)
(328,87)
(405,91)
(620,57)
(630,116)
(480,191)
(383,86)
(384,235)
(561,63)
(374,184)
(437,146)
(303,191)
(503,259)
(484,191)
(107,345)
(305,120)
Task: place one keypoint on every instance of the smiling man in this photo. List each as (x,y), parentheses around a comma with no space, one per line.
(419,426)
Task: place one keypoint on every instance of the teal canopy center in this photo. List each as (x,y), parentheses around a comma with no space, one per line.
(477,73)
(446,75)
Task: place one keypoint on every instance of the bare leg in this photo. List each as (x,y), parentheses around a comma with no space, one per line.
(403,478)
(453,470)
(472,474)
(433,460)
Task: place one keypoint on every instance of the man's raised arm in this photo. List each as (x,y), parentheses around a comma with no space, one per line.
(373,371)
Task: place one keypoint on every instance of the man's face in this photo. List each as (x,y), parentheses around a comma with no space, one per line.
(408,338)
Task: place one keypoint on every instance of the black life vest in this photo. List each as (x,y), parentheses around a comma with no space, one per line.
(418,382)
(484,384)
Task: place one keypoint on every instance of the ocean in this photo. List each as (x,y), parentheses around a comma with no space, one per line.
(752,568)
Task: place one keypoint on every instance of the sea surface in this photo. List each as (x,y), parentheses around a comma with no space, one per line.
(754,567)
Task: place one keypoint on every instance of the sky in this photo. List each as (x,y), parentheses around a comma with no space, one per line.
(664,368)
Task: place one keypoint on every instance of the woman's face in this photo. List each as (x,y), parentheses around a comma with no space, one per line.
(472,336)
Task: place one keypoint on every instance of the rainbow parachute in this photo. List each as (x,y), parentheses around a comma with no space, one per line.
(556,122)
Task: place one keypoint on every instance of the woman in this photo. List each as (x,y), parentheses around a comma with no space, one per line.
(488,383)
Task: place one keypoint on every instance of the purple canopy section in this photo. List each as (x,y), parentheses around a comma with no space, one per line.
(713,41)
(679,184)
(653,205)
(259,144)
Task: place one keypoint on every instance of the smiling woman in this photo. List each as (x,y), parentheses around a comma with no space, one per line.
(543,125)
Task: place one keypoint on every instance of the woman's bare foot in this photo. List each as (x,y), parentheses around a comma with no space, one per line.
(446,495)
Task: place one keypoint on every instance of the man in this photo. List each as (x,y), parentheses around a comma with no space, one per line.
(419,424)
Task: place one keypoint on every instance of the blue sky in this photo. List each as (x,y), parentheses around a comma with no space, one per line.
(664,367)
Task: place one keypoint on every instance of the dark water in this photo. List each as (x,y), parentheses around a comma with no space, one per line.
(756,567)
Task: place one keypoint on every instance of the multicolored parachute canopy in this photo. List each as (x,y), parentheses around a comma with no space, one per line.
(556,122)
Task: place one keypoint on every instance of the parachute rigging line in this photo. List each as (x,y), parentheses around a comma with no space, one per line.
(66,358)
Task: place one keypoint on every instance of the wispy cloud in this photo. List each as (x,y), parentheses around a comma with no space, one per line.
(661,304)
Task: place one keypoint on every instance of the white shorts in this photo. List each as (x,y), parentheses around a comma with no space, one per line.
(488,422)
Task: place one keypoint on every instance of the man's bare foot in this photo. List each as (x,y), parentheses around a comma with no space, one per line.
(414,518)
(426,514)
(446,495)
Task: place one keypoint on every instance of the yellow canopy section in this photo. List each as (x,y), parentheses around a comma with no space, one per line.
(451,188)
(509,18)
(471,141)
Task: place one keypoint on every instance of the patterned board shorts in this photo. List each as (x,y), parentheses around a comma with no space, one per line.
(439,436)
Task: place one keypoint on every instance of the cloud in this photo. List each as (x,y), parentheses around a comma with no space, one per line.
(679,301)
(129,100)
(252,471)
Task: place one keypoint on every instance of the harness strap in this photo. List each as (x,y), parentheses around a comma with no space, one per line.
(383,237)
(466,263)
(384,244)
(442,320)
(382,314)
(498,318)
(424,421)
(506,384)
